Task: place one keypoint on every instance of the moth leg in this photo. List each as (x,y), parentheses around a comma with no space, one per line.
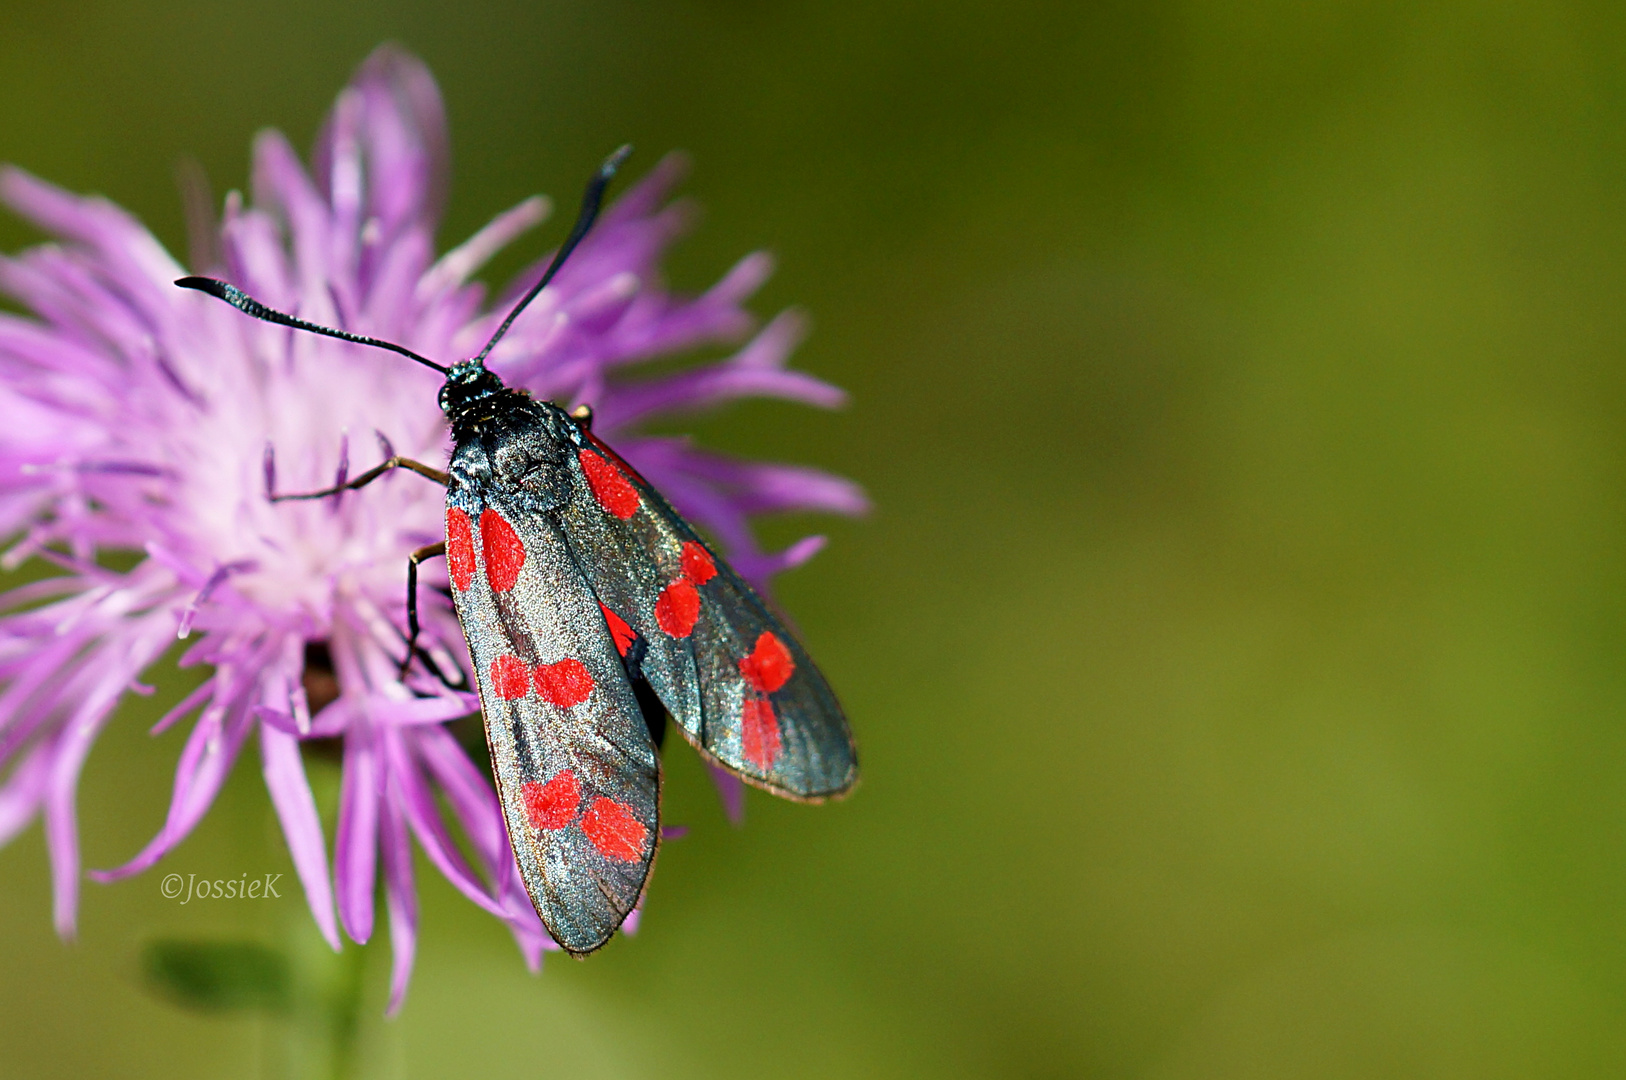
(394,462)
(429,551)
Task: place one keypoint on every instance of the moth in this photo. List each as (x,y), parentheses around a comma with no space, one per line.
(592,611)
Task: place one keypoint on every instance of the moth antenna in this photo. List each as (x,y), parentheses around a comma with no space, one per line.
(591,198)
(245,303)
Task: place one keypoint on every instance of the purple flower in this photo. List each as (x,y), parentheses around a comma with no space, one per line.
(138,416)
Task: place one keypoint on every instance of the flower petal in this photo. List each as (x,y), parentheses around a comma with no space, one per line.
(210,752)
(424,816)
(355,849)
(450,705)
(296,809)
(401,899)
(71,748)
(462,262)
(403,130)
(755,371)
(135,254)
(24,788)
(469,793)
(759,568)
(731,790)
(280,182)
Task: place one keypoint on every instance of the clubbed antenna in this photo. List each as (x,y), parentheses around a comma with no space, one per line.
(591,198)
(245,303)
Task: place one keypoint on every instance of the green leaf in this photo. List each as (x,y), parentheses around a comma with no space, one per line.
(218,976)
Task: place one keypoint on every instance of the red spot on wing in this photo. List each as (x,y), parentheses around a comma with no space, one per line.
(613,491)
(459,548)
(510,678)
(770,665)
(623,634)
(697,564)
(614,831)
(565,683)
(505,553)
(552,805)
(759,732)
(678,608)
(615,458)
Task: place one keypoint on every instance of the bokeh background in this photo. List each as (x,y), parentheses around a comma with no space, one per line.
(1237,644)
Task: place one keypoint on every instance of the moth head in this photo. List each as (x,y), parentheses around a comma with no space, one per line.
(466,384)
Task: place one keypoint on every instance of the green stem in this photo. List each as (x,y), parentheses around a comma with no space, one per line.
(325,1021)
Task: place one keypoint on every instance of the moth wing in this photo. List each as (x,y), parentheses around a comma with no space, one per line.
(576,771)
(735,679)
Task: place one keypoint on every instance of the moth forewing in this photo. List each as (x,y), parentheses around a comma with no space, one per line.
(740,686)
(785,730)
(576,771)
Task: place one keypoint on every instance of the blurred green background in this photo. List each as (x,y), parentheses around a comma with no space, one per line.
(1236,646)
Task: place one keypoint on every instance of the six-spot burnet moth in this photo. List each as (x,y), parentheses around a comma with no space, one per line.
(592,609)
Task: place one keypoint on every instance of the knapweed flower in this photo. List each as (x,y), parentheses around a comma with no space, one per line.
(140,417)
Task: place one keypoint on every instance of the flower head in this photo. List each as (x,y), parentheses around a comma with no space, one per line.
(138,416)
